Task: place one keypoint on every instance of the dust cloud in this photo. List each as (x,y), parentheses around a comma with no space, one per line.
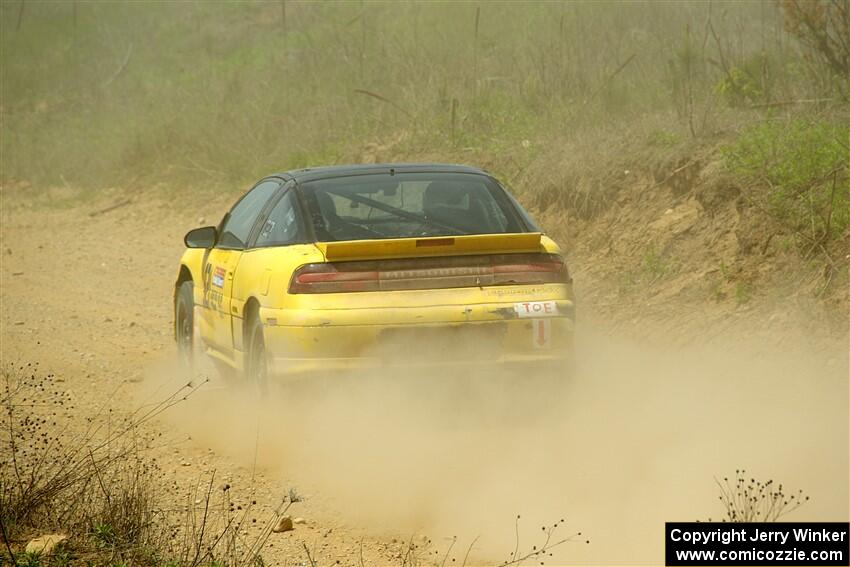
(635,439)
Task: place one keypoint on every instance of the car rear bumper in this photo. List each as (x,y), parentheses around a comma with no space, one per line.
(297,351)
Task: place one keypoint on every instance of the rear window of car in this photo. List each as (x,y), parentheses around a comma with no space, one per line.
(409,205)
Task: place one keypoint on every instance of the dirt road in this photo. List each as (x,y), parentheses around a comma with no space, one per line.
(87,297)
(638,442)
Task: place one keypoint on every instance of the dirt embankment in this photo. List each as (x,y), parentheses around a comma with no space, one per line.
(677,241)
(683,375)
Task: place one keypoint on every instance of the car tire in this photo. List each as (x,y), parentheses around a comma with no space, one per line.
(256,361)
(184,326)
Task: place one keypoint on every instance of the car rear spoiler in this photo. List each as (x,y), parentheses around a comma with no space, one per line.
(432,246)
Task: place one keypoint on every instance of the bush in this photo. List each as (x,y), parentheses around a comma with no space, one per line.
(804,163)
(100,487)
(91,483)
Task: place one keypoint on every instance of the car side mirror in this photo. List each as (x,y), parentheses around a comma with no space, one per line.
(203,237)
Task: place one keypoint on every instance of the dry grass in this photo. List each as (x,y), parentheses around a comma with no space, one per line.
(220,94)
(97,483)
(747,499)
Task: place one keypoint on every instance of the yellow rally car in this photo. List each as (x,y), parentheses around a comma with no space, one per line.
(353,267)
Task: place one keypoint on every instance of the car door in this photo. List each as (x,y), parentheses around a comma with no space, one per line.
(216,326)
(274,249)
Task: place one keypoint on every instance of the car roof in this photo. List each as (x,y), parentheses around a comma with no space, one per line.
(314,173)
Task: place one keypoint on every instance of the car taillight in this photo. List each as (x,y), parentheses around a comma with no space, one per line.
(552,271)
(430,273)
(327,278)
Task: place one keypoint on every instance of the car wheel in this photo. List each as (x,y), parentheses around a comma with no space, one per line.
(184,326)
(257,366)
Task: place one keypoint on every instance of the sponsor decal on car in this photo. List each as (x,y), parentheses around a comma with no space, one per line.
(536,309)
(524,291)
(218,277)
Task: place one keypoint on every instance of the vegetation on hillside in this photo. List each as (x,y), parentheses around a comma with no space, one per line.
(804,162)
(557,99)
(100,94)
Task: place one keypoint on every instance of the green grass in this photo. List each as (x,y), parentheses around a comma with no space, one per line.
(743,293)
(654,265)
(103,535)
(804,161)
(28,560)
(663,139)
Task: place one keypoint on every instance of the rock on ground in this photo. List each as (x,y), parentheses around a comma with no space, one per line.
(44,545)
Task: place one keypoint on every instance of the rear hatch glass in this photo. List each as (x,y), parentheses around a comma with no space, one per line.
(409,205)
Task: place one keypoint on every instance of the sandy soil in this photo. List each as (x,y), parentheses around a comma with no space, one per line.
(657,410)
